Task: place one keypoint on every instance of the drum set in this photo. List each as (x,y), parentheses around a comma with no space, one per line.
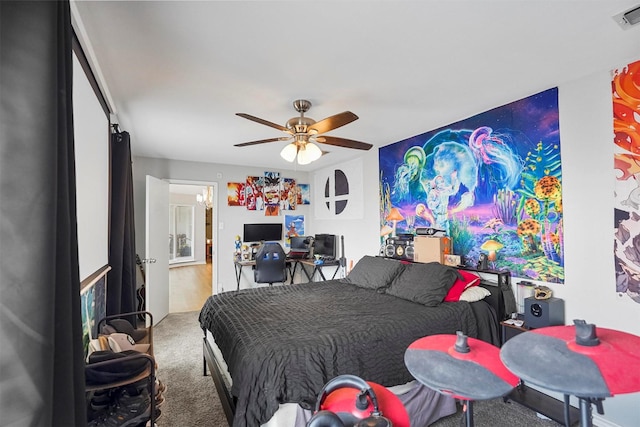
(577,360)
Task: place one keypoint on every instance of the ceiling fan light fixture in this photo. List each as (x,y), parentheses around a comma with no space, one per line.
(308,153)
(289,152)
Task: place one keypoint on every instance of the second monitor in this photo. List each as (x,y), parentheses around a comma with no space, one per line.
(326,246)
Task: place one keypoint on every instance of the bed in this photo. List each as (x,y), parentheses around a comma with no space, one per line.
(282,344)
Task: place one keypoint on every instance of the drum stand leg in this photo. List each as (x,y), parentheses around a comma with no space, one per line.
(585,412)
(469,413)
(586,419)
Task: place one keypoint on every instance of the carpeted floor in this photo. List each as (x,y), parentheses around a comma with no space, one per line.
(191,398)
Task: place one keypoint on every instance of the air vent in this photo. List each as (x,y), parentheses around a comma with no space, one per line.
(629,18)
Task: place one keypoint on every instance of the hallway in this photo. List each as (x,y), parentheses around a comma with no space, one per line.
(189,287)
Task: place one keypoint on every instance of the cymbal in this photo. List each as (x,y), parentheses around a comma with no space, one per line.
(578,359)
(465,368)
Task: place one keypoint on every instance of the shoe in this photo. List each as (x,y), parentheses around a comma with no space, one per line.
(159,400)
(128,411)
(159,387)
(100,401)
(157,417)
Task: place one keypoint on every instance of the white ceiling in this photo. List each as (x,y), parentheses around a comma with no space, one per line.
(176,72)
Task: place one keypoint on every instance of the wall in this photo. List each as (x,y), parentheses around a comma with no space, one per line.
(588,179)
(231,218)
(361,236)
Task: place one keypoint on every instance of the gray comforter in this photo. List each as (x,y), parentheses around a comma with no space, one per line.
(282,344)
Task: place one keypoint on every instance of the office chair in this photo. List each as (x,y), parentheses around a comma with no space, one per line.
(271,264)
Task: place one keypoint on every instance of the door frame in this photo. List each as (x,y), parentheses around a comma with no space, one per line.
(214,225)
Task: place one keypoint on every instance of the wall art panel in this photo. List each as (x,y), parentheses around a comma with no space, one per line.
(492,182)
(626,128)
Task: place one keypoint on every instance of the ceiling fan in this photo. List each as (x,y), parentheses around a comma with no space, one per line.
(304,133)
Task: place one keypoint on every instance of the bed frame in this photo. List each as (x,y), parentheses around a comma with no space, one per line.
(209,360)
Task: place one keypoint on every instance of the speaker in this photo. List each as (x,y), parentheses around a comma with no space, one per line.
(399,249)
(540,313)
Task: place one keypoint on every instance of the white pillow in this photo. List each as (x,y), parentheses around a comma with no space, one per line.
(474,293)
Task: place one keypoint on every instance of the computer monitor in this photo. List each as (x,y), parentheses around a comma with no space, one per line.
(300,247)
(300,244)
(325,245)
(264,232)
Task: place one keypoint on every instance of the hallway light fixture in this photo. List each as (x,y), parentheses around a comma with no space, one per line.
(206,197)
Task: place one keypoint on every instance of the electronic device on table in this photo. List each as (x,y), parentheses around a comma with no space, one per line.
(325,246)
(300,247)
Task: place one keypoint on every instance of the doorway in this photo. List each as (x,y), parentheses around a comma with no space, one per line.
(192,274)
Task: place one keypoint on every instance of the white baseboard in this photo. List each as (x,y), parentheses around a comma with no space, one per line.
(601,422)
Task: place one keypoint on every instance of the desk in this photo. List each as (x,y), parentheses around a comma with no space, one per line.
(316,268)
(292,264)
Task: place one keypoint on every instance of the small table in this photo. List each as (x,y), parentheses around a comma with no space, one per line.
(509,330)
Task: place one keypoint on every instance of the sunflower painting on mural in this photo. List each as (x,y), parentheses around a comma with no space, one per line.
(626,128)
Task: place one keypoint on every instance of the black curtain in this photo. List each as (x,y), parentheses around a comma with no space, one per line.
(121,279)
(41,353)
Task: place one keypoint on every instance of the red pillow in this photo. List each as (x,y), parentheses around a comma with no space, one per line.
(468,279)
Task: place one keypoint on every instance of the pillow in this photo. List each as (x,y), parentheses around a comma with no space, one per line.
(466,280)
(374,272)
(426,284)
(474,293)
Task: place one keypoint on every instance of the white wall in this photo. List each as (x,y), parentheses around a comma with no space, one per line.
(588,179)
(361,236)
(230,218)
(589,291)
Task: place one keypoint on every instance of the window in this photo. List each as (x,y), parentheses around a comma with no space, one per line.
(181,224)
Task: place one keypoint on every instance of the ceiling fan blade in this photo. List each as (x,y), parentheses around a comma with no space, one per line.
(263,122)
(262,141)
(333,122)
(343,142)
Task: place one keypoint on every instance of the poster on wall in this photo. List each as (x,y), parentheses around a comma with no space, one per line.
(288,194)
(271,193)
(235,194)
(304,194)
(339,191)
(253,193)
(294,227)
(626,141)
(491,182)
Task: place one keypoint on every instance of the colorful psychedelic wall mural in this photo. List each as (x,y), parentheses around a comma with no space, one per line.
(492,182)
(626,130)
